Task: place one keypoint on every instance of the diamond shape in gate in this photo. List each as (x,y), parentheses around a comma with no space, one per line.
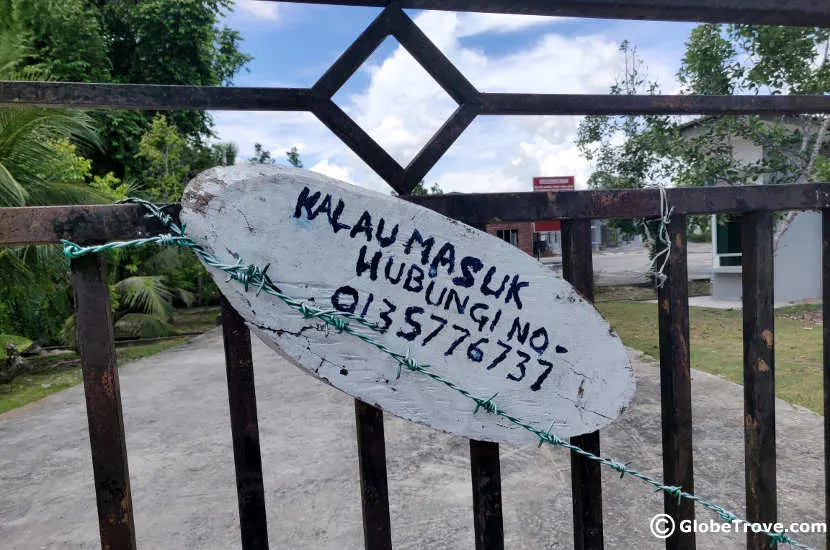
(394,130)
(395,101)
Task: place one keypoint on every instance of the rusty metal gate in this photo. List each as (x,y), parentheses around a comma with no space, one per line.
(755,204)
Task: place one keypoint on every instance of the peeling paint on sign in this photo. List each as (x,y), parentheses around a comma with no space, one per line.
(481,312)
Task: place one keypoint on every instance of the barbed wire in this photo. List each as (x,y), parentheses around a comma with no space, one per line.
(252,277)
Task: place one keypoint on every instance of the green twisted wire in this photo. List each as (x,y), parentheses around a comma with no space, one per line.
(251,276)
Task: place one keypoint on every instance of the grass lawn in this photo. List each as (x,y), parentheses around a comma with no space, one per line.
(700,287)
(19,341)
(56,372)
(195,319)
(717,345)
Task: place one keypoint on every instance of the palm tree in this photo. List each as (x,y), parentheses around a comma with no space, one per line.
(28,138)
(34,149)
(36,143)
(142,307)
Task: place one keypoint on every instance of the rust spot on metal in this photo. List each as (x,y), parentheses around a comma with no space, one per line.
(665,305)
(766,335)
(106,383)
(762,366)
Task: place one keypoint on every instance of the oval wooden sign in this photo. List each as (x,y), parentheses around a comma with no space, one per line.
(481,312)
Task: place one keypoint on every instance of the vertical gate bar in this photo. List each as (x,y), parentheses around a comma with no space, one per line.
(586,477)
(759,372)
(485,471)
(485,468)
(96,346)
(676,382)
(825,307)
(250,490)
(371,452)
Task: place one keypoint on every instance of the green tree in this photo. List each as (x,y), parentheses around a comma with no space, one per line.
(261,156)
(726,59)
(224,153)
(421,190)
(41,163)
(40,160)
(152,41)
(64,38)
(710,64)
(775,60)
(163,149)
(638,151)
(629,151)
(293,157)
(823,170)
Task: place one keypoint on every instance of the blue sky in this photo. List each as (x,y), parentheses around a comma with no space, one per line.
(397,103)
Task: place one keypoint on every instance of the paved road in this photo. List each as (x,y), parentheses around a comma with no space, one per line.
(183,477)
(629,265)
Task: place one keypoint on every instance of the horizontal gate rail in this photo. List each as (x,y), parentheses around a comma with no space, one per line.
(97,224)
(82,224)
(483,208)
(160,97)
(101,223)
(809,13)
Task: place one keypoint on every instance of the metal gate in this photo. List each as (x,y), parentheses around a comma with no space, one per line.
(755,205)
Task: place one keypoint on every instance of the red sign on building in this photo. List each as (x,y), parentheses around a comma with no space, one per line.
(560,183)
(555,183)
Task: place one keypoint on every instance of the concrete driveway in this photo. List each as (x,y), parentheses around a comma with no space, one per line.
(178,437)
(628,265)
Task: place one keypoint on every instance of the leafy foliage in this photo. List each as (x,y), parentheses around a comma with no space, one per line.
(823,170)
(261,155)
(421,190)
(638,151)
(223,154)
(147,294)
(163,149)
(40,164)
(37,155)
(142,325)
(35,299)
(50,156)
(64,39)
(152,41)
(293,157)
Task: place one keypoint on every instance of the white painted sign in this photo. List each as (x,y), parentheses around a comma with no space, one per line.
(482,313)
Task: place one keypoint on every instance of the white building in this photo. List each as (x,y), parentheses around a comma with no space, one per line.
(797,260)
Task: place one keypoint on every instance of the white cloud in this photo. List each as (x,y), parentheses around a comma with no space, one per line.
(401,107)
(342,173)
(258,8)
(471,24)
